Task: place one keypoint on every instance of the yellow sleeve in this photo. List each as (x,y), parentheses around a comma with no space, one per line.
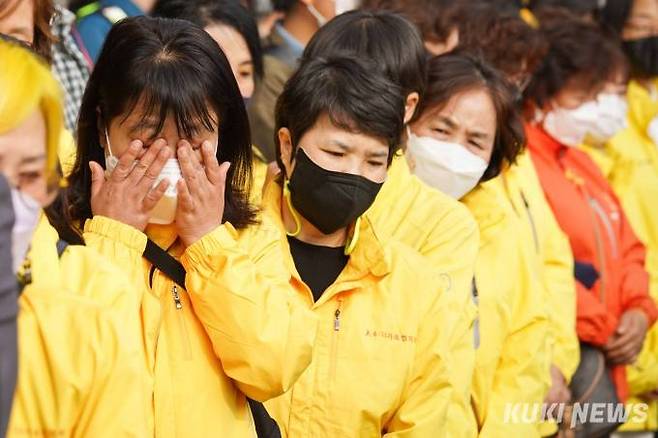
(431,386)
(120,243)
(561,289)
(76,379)
(246,305)
(521,375)
(454,250)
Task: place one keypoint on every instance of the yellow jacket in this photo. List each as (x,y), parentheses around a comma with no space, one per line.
(443,231)
(235,332)
(630,163)
(512,359)
(381,362)
(80,353)
(549,249)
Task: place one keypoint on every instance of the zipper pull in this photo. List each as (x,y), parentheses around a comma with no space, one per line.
(174,292)
(337,320)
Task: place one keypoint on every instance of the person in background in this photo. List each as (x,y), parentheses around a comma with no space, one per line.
(220,325)
(95,19)
(614,308)
(435,19)
(515,48)
(302,18)
(78,356)
(235,30)
(339,124)
(467,129)
(232,26)
(629,160)
(432,223)
(71,63)
(29,21)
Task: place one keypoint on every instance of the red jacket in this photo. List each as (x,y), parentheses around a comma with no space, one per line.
(600,235)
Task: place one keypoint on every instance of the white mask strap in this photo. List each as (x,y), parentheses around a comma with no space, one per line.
(321,19)
(107,140)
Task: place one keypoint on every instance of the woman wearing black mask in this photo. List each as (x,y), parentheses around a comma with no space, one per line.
(381,359)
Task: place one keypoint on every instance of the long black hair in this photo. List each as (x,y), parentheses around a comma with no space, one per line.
(204,13)
(171,67)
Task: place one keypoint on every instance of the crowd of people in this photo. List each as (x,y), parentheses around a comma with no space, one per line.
(329,218)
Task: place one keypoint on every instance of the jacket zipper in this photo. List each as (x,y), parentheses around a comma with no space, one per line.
(596,206)
(599,246)
(532,221)
(174,292)
(184,336)
(334,341)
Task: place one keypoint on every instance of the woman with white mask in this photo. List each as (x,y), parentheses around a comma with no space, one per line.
(212,302)
(569,96)
(466,130)
(78,365)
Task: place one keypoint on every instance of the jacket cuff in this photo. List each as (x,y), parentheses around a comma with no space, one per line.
(117,231)
(201,252)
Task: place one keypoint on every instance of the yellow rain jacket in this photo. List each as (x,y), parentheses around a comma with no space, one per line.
(382,362)
(549,250)
(443,231)
(80,350)
(630,163)
(512,359)
(235,331)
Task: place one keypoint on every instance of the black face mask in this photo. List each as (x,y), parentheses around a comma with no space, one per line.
(643,54)
(327,199)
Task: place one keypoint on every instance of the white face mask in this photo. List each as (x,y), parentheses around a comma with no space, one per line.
(26,213)
(164,211)
(346,5)
(652,130)
(448,167)
(571,126)
(612,110)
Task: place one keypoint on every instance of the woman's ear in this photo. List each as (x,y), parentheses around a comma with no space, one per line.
(285,150)
(410,106)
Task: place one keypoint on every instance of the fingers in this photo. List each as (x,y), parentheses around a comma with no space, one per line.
(146,160)
(185,200)
(624,353)
(154,195)
(618,342)
(154,169)
(188,165)
(126,161)
(210,162)
(97,178)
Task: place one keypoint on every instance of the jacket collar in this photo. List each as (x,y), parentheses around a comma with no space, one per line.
(164,236)
(642,107)
(368,257)
(541,143)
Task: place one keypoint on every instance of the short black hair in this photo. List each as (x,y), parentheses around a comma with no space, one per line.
(385,37)
(350,92)
(614,15)
(501,37)
(435,19)
(454,73)
(204,13)
(174,68)
(283,5)
(577,51)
